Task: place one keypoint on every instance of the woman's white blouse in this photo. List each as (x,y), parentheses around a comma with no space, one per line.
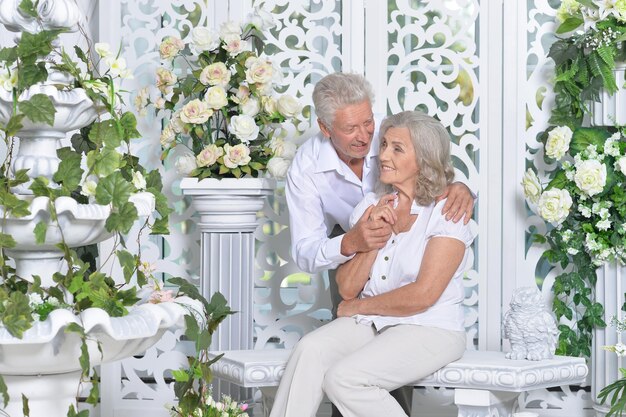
(398,264)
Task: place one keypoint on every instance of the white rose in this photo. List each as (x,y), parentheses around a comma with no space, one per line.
(103,49)
(250,107)
(261,19)
(244,128)
(215,97)
(259,72)
(209,155)
(88,189)
(283,149)
(531,185)
(141,100)
(620,164)
(230,28)
(215,74)
(167,136)
(138,180)
(278,167)
(195,112)
(159,103)
(554,205)
(558,142)
(234,45)
(288,106)
(590,176)
(269,104)
(170,47)
(165,79)
(176,124)
(238,155)
(243,92)
(185,164)
(204,39)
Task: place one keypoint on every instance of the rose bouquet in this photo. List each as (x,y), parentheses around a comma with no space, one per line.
(219,92)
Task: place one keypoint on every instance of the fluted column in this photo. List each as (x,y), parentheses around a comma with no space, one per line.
(604,364)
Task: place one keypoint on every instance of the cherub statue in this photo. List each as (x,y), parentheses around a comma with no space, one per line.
(530,326)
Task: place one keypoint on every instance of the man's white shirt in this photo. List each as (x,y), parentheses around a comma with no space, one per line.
(322,191)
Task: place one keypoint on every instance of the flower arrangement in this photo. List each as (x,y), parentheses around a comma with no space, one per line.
(593,32)
(585,200)
(208,407)
(219,92)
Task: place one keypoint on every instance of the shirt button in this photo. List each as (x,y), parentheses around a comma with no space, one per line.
(386,258)
(393,241)
(383,277)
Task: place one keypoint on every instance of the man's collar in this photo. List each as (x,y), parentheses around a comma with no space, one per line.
(329,160)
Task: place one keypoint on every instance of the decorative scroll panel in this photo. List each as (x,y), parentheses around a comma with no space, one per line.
(539,99)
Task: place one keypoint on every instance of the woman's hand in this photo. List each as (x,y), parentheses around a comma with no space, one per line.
(348,308)
(384,210)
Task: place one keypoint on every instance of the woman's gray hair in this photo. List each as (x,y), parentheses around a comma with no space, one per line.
(338,90)
(432,153)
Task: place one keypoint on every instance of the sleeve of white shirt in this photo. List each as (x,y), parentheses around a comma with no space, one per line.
(440,227)
(368,200)
(311,247)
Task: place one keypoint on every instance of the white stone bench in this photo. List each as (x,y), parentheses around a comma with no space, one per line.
(486,383)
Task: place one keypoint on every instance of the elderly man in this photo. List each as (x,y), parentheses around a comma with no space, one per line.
(331,174)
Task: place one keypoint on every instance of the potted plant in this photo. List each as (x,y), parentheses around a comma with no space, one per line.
(58,199)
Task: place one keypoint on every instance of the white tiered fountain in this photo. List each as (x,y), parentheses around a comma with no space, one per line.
(43,364)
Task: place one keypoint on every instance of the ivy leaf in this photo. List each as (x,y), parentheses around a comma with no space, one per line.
(8,55)
(160,227)
(25,407)
(94,392)
(108,132)
(123,220)
(31,74)
(20,177)
(129,126)
(40,232)
(128,262)
(14,125)
(82,144)
(28,8)
(17,317)
(191,328)
(4,391)
(103,163)
(113,189)
(180,375)
(39,187)
(39,109)
(569,24)
(69,172)
(153,180)
(585,136)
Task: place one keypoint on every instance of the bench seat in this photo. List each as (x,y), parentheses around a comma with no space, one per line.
(485,382)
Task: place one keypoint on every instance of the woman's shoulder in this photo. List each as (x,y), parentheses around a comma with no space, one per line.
(438,225)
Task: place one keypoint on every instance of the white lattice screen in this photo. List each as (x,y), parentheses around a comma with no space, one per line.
(478,66)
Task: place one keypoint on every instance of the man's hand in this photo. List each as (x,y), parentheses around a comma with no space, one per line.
(348,308)
(460,202)
(366,235)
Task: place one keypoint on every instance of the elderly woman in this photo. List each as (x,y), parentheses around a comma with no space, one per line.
(402,315)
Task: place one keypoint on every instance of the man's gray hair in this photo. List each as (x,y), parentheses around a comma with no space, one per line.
(338,90)
(432,153)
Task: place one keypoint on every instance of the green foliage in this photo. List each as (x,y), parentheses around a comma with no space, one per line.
(38,109)
(616,394)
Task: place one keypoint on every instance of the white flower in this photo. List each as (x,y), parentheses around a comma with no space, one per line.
(167,136)
(288,106)
(243,93)
(250,107)
(185,164)
(620,164)
(244,128)
(34,299)
(283,149)
(259,71)
(97,86)
(611,147)
(138,180)
(620,349)
(159,103)
(531,185)
(215,97)
(230,28)
(238,155)
(572,251)
(165,79)
(234,45)
(603,224)
(88,189)
(566,235)
(590,176)
(8,80)
(278,167)
(554,205)
(117,66)
(584,210)
(215,74)
(204,39)
(269,104)
(147,268)
(209,155)
(558,141)
(261,19)
(103,49)
(141,101)
(195,112)
(170,47)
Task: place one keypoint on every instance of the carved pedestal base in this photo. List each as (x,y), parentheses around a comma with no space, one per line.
(482,403)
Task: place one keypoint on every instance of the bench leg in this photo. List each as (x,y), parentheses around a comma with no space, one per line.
(267,400)
(483,403)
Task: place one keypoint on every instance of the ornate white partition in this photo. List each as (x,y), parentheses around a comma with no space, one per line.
(478,66)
